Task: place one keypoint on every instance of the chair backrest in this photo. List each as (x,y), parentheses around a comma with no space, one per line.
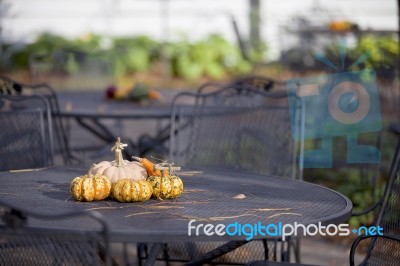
(23,244)
(259,82)
(256,82)
(236,127)
(383,251)
(9,86)
(26,136)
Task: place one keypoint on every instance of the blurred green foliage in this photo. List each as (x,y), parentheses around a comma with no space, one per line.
(212,57)
(381,52)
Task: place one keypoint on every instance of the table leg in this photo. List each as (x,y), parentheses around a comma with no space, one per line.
(101,131)
(218,252)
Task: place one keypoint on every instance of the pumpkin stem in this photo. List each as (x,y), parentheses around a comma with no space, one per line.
(117,149)
(137,159)
(162,167)
(172,169)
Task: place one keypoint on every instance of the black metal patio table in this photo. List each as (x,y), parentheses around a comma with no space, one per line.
(93,104)
(209,197)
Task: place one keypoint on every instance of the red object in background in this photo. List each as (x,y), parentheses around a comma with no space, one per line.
(110,92)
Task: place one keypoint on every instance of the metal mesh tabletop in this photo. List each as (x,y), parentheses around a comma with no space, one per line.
(208,197)
(94,104)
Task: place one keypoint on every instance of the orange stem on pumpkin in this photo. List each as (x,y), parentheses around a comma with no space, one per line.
(149,166)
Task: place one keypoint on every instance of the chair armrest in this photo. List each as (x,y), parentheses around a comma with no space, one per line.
(275,263)
(369,209)
(394,128)
(363,237)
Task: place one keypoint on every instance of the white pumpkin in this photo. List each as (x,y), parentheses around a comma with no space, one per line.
(115,172)
(119,168)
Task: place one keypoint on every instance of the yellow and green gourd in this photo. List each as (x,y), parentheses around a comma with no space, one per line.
(128,190)
(165,186)
(176,187)
(90,187)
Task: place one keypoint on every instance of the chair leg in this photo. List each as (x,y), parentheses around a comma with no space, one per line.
(284,255)
(266,249)
(288,248)
(297,247)
(141,249)
(125,253)
(275,249)
(166,255)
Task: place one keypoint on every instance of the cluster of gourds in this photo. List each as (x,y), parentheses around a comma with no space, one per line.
(127,181)
(165,185)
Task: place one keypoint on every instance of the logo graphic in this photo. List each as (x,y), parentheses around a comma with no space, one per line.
(278,229)
(338,104)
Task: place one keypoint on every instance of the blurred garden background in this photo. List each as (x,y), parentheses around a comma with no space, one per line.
(181,44)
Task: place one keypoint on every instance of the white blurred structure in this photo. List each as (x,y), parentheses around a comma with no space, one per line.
(169,19)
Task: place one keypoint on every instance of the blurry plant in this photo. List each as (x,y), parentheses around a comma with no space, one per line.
(213,57)
(137,59)
(134,54)
(382,52)
(71,66)
(258,55)
(48,46)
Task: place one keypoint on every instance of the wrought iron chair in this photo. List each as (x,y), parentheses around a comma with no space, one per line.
(24,244)
(256,82)
(11,87)
(68,68)
(157,145)
(239,128)
(236,127)
(385,249)
(26,136)
(382,249)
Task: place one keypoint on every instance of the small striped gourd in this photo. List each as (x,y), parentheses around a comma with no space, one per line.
(164,185)
(90,187)
(128,190)
(176,187)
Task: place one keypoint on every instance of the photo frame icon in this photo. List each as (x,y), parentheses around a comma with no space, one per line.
(339,104)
